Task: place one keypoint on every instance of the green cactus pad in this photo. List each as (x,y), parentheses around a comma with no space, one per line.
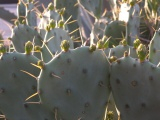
(31,17)
(47,16)
(22,34)
(93,6)
(115,30)
(16,85)
(133,23)
(154,48)
(119,50)
(72,89)
(135,88)
(21,10)
(97,30)
(52,42)
(71,11)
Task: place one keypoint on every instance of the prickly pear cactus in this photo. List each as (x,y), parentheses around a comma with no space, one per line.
(154,48)
(68,81)
(54,37)
(70,14)
(98,30)
(49,13)
(93,6)
(22,33)
(15,85)
(119,50)
(104,45)
(71,7)
(135,85)
(115,30)
(21,10)
(37,111)
(52,41)
(133,23)
(31,17)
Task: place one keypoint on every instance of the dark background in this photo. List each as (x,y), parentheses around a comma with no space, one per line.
(8,1)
